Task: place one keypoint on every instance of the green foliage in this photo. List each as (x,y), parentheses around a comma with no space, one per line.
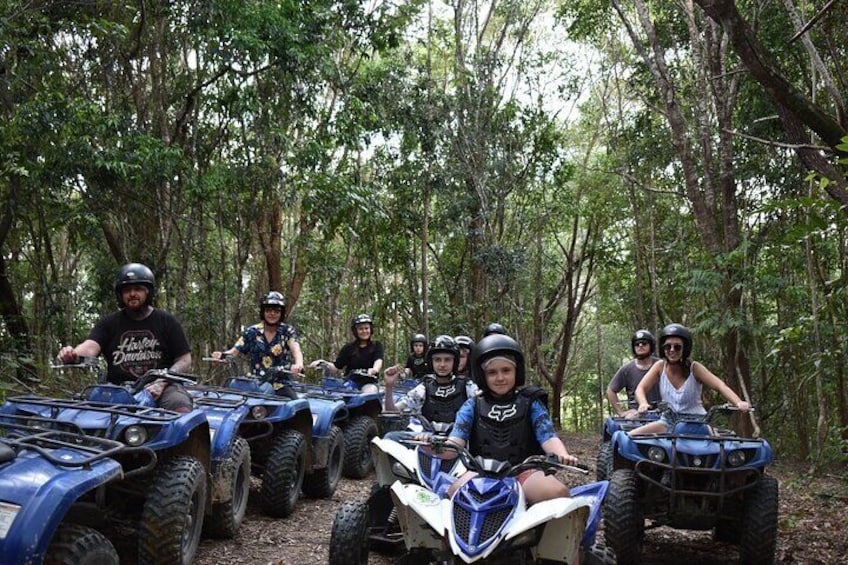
(179,138)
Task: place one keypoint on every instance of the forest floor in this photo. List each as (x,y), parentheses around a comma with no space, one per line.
(813,525)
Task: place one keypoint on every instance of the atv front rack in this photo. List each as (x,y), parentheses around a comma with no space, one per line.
(25,433)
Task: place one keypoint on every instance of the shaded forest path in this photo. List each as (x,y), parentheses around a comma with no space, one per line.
(813,525)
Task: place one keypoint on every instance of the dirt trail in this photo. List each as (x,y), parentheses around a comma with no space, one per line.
(813,525)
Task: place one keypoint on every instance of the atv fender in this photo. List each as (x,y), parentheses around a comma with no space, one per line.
(384,452)
(564,522)
(422,515)
(44,493)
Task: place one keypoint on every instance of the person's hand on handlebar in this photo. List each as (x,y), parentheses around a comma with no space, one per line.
(67,355)
(296,368)
(567,459)
(156,388)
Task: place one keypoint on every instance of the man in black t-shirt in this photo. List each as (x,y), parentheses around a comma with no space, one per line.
(137,338)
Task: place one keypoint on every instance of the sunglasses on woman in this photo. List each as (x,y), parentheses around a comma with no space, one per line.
(673,347)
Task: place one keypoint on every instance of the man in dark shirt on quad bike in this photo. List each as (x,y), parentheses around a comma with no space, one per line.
(137,338)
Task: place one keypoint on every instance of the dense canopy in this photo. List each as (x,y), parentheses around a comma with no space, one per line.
(572,170)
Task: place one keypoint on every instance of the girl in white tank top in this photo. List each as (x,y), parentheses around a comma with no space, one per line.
(686,399)
(676,346)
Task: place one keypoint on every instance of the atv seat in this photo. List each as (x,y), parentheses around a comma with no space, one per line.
(109,394)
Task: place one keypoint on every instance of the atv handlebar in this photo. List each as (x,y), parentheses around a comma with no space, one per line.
(499,469)
(83,362)
(164,374)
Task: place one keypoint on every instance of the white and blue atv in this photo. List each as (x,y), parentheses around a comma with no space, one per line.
(488,519)
(362,526)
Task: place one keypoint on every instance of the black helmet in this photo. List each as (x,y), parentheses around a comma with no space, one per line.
(463,341)
(273,298)
(417,338)
(677,330)
(135,273)
(360,319)
(643,335)
(443,344)
(494,328)
(493,346)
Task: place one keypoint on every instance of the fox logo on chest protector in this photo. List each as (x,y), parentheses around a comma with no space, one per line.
(501,413)
(445,391)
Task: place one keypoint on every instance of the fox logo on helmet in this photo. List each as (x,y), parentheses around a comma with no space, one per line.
(501,413)
(445,391)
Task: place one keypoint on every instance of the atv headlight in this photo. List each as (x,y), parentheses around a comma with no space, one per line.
(736,458)
(656,454)
(259,412)
(38,424)
(135,435)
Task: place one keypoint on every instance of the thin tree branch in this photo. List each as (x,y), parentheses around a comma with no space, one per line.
(773,143)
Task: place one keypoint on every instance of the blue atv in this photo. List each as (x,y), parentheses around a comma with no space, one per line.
(315,416)
(162,495)
(264,433)
(693,477)
(603,464)
(360,425)
(49,474)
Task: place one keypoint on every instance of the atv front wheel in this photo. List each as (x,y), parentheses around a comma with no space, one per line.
(283,477)
(172,518)
(624,523)
(358,434)
(321,483)
(603,464)
(598,554)
(349,535)
(758,538)
(234,472)
(73,544)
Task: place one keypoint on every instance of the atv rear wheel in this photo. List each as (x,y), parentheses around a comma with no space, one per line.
(73,544)
(624,523)
(603,464)
(172,518)
(322,483)
(234,472)
(349,535)
(358,434)
(758,537)
(283,477)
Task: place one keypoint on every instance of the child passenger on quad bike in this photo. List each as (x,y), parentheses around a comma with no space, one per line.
(417,363)
(509,421)
(361,354)
(439,397)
